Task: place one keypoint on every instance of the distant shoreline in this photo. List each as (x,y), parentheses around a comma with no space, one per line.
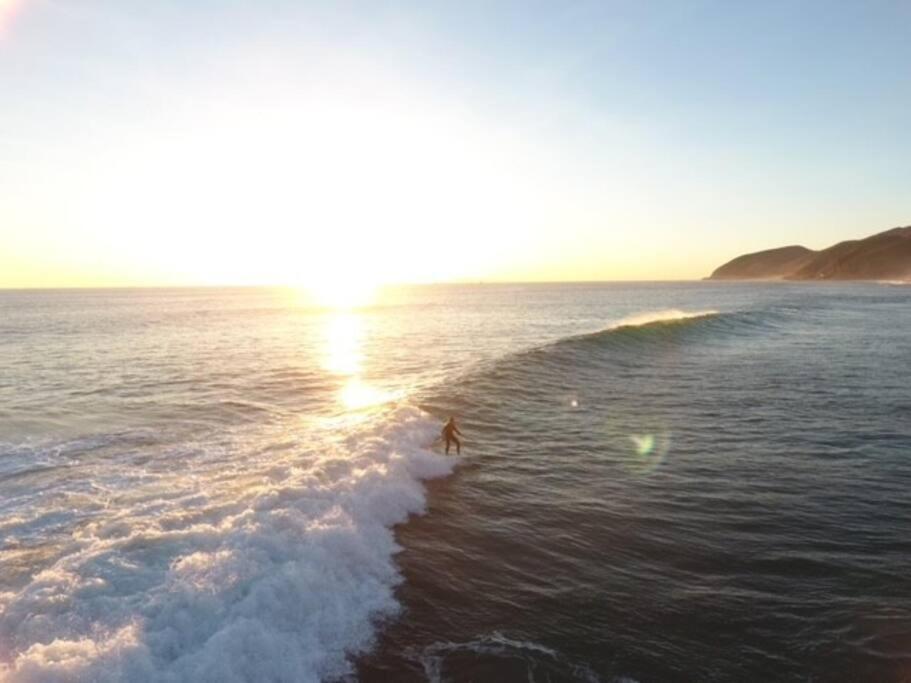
(883,257)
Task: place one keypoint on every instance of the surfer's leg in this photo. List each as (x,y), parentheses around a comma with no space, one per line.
(458,445)
(447,445)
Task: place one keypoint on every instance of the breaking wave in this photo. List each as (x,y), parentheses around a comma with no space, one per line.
(244,565)
(257,555)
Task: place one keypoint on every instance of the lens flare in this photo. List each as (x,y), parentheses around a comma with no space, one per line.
(644,444)
(648,451)
(8,10)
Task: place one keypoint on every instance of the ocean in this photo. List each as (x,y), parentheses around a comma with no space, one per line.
(659,482)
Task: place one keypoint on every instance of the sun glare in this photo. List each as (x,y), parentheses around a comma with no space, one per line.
(357,394)
(332,193)
(342,293)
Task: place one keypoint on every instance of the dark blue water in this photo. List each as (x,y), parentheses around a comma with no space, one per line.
(659,482)
(722,498)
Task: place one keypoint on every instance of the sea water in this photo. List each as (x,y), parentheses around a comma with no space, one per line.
(659,482)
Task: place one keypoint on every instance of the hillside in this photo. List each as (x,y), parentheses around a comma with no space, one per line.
(771,264)
(884,256)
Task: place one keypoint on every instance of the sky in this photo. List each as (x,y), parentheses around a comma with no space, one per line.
(323,143)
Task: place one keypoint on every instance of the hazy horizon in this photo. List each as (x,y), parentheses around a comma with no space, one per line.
(340,147)
(267,285)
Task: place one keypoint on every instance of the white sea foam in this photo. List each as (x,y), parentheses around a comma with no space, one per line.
(535,655)
(267,566)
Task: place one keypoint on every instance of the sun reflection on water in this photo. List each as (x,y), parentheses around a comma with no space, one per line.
(344,335)
(357,394)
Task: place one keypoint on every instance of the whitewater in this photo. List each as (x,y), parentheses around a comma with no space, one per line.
(275,568)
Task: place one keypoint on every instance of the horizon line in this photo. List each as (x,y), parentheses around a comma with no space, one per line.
(379,286)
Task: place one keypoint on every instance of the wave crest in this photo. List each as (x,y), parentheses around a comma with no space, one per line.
(671,315)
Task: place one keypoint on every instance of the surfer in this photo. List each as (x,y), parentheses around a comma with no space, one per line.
(449,434)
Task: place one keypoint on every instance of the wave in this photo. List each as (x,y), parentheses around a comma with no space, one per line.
(249,561)
(672,315)
(647,326)
(674,324)
(238,566)
(645,341)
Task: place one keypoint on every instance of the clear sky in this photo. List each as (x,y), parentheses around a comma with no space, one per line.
(269,141)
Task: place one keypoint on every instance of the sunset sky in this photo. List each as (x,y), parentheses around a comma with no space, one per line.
(286,142)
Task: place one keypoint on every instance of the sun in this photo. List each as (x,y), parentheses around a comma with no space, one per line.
(343,293)
(327,193)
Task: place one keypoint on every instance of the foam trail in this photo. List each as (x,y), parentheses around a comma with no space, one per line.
(281,578)
(538,659)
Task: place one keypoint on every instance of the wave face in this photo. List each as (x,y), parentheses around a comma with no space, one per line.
(629,341)
(274,570)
